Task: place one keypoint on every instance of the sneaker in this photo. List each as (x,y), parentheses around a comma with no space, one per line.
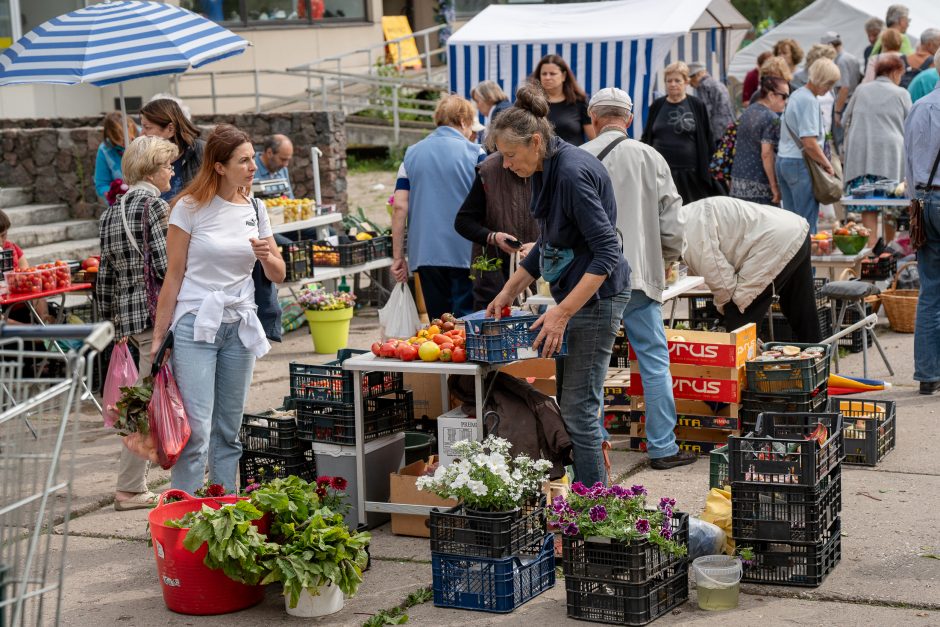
(929,387)
(682,458)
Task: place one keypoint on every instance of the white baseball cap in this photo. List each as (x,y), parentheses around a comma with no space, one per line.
(611,97)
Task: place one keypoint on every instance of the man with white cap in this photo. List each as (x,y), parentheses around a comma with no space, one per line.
(648,220)
(850,74)
(715,96)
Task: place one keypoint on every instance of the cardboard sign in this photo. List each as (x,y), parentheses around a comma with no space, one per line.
(702,383)
(395,26)
(452,427)
(707,348)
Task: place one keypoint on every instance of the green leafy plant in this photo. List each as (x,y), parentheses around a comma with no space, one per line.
(484,264)
(397,615)
(132,408)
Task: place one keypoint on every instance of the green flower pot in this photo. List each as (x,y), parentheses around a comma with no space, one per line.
(329,329)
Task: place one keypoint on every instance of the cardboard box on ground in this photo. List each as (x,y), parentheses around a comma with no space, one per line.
(404,490)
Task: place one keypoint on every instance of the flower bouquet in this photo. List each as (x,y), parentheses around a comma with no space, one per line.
(328,314)
(500,511)
(611,534)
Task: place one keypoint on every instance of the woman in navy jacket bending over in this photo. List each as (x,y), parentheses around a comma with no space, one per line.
(579,254)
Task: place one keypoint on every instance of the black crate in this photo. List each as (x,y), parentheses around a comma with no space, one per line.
(702,309)
(276,435)
(265,467)
(324,254)
(633,562)
(381,246)
(754,403)
(783,332)
(787,564)
(709,324)
(318,422)
(785,513)
(329,383)
(868,428)
(779,453)
(627,604)
(821,300)
(296,257)
(877,268)
(458,532)
(799,374)
(854,341)
(6,260)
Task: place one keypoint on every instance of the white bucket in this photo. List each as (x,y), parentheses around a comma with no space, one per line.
(718,580)
(329,601)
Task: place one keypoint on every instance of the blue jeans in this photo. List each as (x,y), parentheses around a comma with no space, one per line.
(927,326)
(591,334)
(796,189)
(213,381)
(643,321)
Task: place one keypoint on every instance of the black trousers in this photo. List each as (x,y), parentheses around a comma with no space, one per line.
(446,290)
(794,286)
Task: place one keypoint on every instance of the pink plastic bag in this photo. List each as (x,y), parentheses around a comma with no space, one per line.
(122,373)
(169,425)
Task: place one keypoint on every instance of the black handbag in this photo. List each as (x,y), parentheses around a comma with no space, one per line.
(269,309)
(916,208)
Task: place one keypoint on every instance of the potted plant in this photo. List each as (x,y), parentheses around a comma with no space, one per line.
(328,314)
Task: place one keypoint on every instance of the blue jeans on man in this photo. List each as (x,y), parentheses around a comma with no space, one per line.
(590,339)
(927,325)
(643,321)
(796,189)
(213,380)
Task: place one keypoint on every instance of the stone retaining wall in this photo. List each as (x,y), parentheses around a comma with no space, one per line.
(56,158)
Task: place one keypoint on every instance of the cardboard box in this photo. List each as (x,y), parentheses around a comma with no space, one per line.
(696,414)
(426,391)
(540,373)
(616,388)
(402,489)
(617,422)
(707,348)
(452,427)
(698,383)
(700,441)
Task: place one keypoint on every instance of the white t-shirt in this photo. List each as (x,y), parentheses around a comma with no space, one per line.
(220,257)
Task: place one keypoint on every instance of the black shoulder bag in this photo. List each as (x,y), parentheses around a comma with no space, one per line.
(916,208)
(269,310)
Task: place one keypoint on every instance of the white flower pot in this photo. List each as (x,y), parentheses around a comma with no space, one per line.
(329,601)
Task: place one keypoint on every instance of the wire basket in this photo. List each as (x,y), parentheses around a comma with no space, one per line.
(39,393)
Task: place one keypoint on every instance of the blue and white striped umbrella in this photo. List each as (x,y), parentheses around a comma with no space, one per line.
(116,41)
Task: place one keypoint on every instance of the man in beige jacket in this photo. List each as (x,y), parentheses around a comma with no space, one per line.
(747,252)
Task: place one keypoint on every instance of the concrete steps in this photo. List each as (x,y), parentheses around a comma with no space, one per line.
(47,232)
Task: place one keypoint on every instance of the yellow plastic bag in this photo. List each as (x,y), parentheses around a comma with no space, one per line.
(718,512)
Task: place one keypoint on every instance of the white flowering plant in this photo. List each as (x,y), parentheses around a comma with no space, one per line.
(486,478)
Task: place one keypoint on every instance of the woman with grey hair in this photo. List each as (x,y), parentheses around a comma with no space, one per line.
(898,17)
(135,226)
(490,100)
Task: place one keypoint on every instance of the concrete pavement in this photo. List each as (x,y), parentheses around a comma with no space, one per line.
(890,522)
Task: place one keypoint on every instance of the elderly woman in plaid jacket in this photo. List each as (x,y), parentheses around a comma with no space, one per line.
(121,288)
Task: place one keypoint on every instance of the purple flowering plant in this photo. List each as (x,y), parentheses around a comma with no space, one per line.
(318,299)
(618,513)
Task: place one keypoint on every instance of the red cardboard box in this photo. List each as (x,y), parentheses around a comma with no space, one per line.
(696,414)
(698,383)
(707,348)
(700,441)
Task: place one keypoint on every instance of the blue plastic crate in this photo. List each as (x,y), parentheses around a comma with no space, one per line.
(493,585)
(500,341)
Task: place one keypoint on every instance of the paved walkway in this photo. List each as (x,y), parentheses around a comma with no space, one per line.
(890,522)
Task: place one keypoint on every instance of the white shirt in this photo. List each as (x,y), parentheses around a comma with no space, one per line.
(217,284)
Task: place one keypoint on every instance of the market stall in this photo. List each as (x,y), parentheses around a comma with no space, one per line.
(607,44)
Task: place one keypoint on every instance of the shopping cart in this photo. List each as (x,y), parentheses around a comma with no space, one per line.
(38,427)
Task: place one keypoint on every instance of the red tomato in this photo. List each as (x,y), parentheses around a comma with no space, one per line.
(388,350)
(407,352)
(376,348)
(505,313)
(441,339)
(459,355)
(446,354)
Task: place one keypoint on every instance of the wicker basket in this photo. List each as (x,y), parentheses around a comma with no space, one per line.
(900,305)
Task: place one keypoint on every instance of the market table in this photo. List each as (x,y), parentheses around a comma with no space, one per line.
(319,222)
(678,288)
(850,201)
(832,263)
(13,299)
(368,361)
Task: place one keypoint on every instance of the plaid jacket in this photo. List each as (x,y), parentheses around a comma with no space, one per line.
(120,290)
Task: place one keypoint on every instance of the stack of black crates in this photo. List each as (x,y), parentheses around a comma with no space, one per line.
(300,258)
(491,561)
(790,385)
(786,497)
(271,448)
(625,583)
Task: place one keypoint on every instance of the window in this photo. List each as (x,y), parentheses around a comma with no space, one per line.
(271,12)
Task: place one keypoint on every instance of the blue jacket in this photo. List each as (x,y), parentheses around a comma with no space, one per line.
(573,202)
(440,170)
(107,166)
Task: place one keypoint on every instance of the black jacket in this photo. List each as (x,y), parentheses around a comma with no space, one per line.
(704,141)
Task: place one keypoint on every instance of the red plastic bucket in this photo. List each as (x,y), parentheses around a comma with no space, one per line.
(189,586)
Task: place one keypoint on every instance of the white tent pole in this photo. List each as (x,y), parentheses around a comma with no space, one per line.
(127,133)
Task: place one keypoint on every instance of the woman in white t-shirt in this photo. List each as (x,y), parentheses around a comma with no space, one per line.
(216,234)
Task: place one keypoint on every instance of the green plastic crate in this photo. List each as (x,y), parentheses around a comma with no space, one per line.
(718,476)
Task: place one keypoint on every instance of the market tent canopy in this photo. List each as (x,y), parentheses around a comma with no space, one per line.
(846,17)
(622,44)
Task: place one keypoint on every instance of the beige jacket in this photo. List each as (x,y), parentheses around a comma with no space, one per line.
(739,247)
(647,210)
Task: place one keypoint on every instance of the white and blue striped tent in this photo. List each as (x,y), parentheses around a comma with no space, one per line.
(623,43)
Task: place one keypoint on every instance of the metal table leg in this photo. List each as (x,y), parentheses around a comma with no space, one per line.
(360,447)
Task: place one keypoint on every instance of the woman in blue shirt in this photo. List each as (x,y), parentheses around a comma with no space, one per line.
(111,151)
(579,253)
